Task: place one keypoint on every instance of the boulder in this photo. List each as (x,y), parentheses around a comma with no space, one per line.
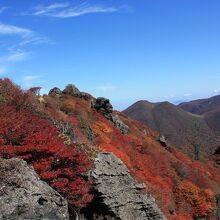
(119,196)
(23,196)
(104,106)
(87,96)
(55,91)
(72,90)
(163,141)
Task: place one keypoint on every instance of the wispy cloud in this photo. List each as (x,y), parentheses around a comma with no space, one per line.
(2,9)
(2,70)
(23,37)
(6,29)
(65,10)
(217,91)
(16,56)
(30,80)
(27,36)
(105,88)
(47,9)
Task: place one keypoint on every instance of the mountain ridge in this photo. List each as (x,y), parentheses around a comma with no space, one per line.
(181,128)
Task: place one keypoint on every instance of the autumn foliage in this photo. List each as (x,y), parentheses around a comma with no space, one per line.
(201,202)
(183,188)
(25,134)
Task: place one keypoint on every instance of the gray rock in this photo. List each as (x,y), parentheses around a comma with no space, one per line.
(23,196)
(104,106)
(120,124)
(87,96)
(120,193)
(163,141)
(72,90)
(55,91)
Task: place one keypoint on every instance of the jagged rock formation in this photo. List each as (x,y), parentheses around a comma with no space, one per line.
(23,196)
(120,196)
(120,124)
(104,106)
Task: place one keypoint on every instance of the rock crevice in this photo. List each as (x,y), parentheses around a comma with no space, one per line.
(120,193)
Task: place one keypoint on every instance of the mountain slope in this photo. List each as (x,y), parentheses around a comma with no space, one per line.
(201,106)
(188,132)
(61,134)
(208,108)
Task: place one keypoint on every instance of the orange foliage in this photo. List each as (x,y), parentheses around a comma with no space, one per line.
(200,202)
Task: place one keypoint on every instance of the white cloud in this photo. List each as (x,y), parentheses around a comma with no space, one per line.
(6,29)
(105,88)
(44,10)
(30,80)
(64,10)
(16,56)
(27,36)
(15,52)
(217,91)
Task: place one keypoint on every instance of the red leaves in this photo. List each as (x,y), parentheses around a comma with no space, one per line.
(25,135)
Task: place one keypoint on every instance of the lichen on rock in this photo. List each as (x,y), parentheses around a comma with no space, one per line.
(23,196)
(119,195)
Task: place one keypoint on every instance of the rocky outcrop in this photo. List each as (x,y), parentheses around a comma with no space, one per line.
(104,106)
(72,90)
(23,196)
(55,91)
(163,141)
(120,197)
(120,124)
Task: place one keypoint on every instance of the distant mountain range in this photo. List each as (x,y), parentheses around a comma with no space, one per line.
(201,106)
(208,108)
(194,134)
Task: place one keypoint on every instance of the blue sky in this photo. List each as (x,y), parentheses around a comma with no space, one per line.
(126,50)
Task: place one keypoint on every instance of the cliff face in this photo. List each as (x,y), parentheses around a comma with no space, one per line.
(23,196)
(121,197)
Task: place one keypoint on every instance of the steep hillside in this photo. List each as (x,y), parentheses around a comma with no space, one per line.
(201,106)
(208,108)
(61,134)
(212,118)
(188,132)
